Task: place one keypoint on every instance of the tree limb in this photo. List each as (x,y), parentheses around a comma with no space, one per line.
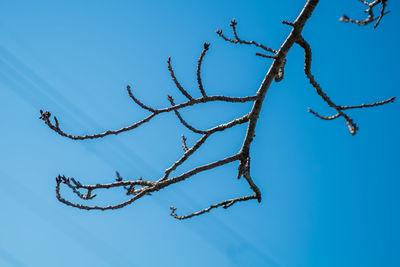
(138,188)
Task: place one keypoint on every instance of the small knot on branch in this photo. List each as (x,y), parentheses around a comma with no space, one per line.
(45,115)
(344,18)
(60,179)
(227,205)
(184,146)
(244,167)
(281,71)
(130,190)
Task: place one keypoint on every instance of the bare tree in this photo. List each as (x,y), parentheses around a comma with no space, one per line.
(136,189)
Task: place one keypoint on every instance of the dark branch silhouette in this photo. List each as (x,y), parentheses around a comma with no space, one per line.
(370,10)
(139,188)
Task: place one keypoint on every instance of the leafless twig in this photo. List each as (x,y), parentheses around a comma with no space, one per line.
(307,69)
(237,40)
(184,146)
(370,10)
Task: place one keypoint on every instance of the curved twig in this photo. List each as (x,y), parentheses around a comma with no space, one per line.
(143,106)
(187,125)
(198,71)
(240,41)
(225,204)
(380,103)
(149,186)
(370,18)
(178,85)
(307,70)
(46,115)
(337,115)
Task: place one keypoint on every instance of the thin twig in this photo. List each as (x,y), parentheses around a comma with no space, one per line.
(237,40)
(265,56)
(380,103)
(307,69)
(149,186)
(225,204)
(187,125)
(178,85)
(370,10)
(46,115)
(143,106)
(184,146)
(337,115)
(198,71)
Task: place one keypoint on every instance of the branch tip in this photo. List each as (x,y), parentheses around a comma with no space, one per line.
(370,10)
(177,84)
(184,146)
(119,178)
(288,23)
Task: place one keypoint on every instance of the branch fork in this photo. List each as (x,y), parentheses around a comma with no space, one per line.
(370,11)
(136,189)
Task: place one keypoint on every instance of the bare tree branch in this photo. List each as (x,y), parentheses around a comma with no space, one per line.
(240,41)
(225,204)
(46,115)
(148,186)
(380,103)
(139,188)
(178,85)
(187,125)
(370,18)
(198,71)
(143,106)
(307,69)
(184,146)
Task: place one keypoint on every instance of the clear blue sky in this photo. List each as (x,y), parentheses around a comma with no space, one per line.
(329,199)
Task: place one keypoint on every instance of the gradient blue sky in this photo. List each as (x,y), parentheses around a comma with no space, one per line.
(329,198)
